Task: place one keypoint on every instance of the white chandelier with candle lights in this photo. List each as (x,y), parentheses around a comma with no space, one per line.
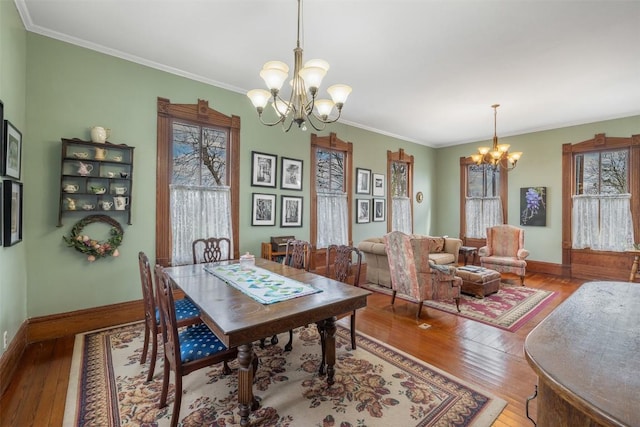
(302,108)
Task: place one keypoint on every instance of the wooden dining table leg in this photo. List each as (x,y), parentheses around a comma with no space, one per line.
(246,399)
(330,347)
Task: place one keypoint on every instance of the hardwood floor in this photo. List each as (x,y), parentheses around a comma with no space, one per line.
(479,354)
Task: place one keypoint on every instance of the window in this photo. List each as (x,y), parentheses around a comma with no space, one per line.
(331,198)
(600,205)
(483,207)
(601,214)
(197,179)
(400,172)
(483,200)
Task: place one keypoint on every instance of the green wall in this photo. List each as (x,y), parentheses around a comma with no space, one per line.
(72,89)
(540,166)
(54,90)
(13,266)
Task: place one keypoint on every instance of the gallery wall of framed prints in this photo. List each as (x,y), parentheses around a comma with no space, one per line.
(12,189)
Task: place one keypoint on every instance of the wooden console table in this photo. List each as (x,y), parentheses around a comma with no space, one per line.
(585,354)
(267,253)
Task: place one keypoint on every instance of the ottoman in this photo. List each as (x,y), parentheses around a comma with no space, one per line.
(478,281)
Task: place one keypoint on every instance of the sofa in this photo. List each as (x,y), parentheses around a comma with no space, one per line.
(442,251)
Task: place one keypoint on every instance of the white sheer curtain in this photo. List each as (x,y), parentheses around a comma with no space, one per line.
(481,213)
(401,215)
(333,218)
(602,222)
(198,212)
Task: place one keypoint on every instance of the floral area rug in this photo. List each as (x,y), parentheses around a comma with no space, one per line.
(375,385)
(508,309)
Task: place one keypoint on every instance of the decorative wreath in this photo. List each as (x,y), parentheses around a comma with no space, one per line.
(91,247)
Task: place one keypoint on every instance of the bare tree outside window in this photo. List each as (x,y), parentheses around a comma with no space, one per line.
(329,171)
(399,179)
(199,155)
(604,172)
(483,181)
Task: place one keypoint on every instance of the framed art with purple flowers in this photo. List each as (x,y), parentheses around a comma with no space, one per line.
(533,206)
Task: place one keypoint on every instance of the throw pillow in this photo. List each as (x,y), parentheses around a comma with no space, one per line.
(436,244)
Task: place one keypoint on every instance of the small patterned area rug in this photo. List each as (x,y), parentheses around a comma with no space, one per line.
(508,309)
(375,385)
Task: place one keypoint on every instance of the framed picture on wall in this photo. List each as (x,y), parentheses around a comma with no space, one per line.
(1,122)
(378,210)
(263,169)
(291,215)
(291,171)
(362,211)
(363,181)
(12,212)
(533,206)
(11,151)
(378,184)
(263,210)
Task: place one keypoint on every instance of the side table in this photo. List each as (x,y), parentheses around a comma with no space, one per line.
(467,251)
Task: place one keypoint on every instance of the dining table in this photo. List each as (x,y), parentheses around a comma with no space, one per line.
(239,319)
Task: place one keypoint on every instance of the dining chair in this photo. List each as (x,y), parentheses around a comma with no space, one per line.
(297,255)
(186,314)
(188,349)
(211,249)
(340,266)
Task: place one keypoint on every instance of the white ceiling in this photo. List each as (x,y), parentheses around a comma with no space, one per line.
(425,71)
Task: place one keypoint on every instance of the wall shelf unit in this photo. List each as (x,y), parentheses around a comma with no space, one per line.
(95,178)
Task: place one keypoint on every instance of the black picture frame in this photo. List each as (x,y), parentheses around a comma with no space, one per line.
(378,210)
(264,168)
(377,185)
(363,211)
(1,123)
(12,212)
(291,174)
(363,181)
(11,151)
(263,211)
(291,211)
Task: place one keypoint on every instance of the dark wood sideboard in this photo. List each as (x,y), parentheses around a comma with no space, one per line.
(586,356)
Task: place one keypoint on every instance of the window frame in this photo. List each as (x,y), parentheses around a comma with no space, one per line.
(588,263)
(465,162)
(199,114)
(331,142)
(402,157)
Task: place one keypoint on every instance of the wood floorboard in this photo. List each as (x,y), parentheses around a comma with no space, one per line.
(479,354)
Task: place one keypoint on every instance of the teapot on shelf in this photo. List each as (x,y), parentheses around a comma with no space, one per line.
(70,188)
(84,169)
(100,134)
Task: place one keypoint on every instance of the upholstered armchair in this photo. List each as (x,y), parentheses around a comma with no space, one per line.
(413,276)
(505,250)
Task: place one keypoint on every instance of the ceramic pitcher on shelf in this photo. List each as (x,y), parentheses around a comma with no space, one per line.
(101,153)
(84,169)
(100,134)
(120,202)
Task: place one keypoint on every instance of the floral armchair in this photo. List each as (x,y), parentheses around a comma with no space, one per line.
(505,250)
(413,276)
